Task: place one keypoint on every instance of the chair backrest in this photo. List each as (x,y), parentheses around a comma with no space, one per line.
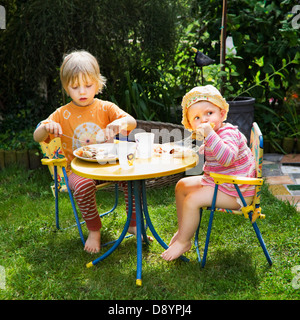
(256,146)
(53,150)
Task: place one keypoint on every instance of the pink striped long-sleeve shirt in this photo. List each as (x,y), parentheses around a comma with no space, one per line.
(226,152)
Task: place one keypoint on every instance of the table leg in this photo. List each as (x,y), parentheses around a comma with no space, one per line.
(141,211)
(149,222)
(122,236)
(139,192)
(139,222)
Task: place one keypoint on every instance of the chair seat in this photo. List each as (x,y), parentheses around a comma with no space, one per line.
(222,178)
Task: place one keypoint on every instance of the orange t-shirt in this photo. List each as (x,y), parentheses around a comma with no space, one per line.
(83,123)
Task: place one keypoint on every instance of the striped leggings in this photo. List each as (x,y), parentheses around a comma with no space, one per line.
(84,192)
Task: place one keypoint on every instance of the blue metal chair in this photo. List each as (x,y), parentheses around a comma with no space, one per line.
(252,211)
(55,159)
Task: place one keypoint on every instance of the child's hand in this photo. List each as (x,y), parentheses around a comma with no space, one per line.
(204,129)
(114,128)
(53,128)
(201,149)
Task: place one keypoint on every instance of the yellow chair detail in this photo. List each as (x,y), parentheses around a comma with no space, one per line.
(54,158)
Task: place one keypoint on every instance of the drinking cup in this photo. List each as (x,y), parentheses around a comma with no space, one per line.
(126,154)
(144,144)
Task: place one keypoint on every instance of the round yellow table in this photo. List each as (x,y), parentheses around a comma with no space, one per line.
(156,166)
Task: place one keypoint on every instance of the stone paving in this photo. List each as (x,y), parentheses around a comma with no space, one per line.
(282,173)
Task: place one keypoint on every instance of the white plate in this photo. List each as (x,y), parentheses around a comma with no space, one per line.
(102,150)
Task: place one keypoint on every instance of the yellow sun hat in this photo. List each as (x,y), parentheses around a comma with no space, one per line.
(205,93)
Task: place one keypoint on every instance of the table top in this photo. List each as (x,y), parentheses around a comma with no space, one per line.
(156,166)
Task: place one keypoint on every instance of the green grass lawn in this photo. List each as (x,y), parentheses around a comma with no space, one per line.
(42,263)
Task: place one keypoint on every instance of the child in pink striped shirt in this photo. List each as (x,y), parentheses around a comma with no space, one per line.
(226,152)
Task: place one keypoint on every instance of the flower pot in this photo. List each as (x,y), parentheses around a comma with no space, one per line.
(275,146)
(298,145)
(9,157)
(288,144)
(241,114)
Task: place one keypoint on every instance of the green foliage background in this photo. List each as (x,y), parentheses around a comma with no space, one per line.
(144,50)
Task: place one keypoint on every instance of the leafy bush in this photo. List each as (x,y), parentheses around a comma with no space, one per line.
(125,35)
(18,140)
(264,39)
(150,42)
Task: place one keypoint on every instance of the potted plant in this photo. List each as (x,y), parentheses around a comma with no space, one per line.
(288,141)
(285,126)
(241,108)
(291,121)
(228,80)
(275,142)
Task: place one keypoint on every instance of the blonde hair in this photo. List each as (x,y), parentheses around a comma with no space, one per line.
(82,62)
(205,93)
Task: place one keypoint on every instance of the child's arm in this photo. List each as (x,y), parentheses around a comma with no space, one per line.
(203,131)
(122,125)
(46,128)
(224,149)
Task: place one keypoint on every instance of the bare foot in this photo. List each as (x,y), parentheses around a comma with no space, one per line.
(176,250)
(174,238)
(132,230)
(93,242)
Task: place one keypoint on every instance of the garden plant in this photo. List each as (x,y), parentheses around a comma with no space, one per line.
(42,263)
(144,48)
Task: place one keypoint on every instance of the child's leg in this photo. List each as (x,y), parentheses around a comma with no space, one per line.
(183,188)
(84,192)
(189,217)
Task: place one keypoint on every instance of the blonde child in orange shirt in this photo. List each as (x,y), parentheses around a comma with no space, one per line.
(82,119)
